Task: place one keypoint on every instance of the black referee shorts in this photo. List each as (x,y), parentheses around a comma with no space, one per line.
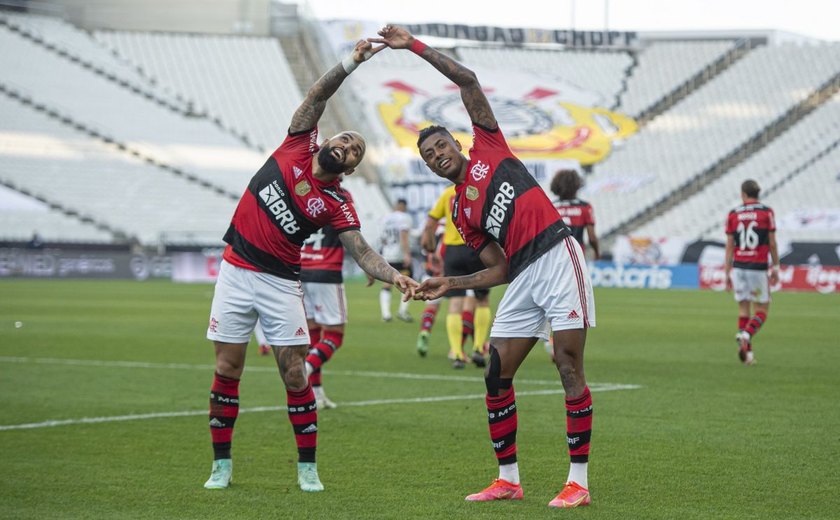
(459,261)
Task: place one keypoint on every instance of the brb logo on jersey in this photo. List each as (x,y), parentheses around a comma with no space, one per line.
(316,206)
(498,211)
(271,196)
(479,171)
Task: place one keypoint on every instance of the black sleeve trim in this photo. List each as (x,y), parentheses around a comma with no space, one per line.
(295,134)
(490,130)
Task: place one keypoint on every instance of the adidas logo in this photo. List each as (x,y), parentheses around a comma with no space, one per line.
(215,423)
(468,212)
(310,429)
(297,171)
(300,332)
(573,315)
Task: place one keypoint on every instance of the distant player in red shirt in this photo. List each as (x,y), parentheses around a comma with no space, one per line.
(750,240)
(295,193)
(325,303)
(577,214)
(502,212)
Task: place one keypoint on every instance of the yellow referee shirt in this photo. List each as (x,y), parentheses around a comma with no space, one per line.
(443,209)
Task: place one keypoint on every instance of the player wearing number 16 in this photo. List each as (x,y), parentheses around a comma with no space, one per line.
(751,237)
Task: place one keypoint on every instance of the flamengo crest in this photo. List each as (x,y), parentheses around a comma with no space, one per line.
(316,206)
(479,171)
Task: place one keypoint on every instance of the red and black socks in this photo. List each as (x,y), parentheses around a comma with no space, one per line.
(579,425)
(303,414)
(224,408)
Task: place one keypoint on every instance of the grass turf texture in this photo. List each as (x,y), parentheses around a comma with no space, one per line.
(704,437)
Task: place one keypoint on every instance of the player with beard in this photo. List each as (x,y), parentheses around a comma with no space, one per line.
(295,193)
(502,212)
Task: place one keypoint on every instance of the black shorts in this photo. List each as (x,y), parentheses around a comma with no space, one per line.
(401,267)
(459,261)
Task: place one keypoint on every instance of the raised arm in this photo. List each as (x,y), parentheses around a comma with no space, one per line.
(473,97)
(373,263)
(310,111)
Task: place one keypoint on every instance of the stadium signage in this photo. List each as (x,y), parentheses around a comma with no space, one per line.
(813,278)
(55,263)
(518,35)
(607,274)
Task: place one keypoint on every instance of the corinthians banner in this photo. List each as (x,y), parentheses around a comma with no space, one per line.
(548,121)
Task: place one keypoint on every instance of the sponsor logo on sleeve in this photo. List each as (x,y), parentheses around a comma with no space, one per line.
(348,214)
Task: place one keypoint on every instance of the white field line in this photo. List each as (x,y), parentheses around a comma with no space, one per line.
(377,402)
(209,367)
(594,387)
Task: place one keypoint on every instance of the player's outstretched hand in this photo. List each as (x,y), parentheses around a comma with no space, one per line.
(394,37)
(433,288)
(365,50)
(407,285)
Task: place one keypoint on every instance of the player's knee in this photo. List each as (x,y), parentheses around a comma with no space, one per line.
(493,379)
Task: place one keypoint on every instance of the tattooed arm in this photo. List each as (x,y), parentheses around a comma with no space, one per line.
(310,111)
(373,263)
(493,256)
(473,97)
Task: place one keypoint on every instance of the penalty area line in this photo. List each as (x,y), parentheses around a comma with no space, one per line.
(259,409)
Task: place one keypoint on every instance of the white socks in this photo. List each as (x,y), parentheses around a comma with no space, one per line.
(578,473)
(403,307)
(509,472)
(385,303)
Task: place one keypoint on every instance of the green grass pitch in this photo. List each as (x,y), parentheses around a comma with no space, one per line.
(699,436)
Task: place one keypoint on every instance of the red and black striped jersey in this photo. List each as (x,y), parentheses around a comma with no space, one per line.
(284,204)
(322,257)
(500,201)
(750,225)
(577,214)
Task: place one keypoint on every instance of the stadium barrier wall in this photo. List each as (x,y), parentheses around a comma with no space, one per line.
(203,267)
(59,263)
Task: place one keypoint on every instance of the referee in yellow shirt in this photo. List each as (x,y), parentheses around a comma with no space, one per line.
(458,260)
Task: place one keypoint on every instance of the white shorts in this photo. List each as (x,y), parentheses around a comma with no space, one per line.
(243,296)
(750,285)
(556,287)
(325,303)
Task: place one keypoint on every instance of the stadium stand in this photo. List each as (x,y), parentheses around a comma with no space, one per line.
(164,118)
(76,45)
(244,82)
(119,115)
(662,66)
(700,130)
(86,177)
(598,71)
(790,155)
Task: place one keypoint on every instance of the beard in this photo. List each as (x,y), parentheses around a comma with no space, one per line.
(329,163)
